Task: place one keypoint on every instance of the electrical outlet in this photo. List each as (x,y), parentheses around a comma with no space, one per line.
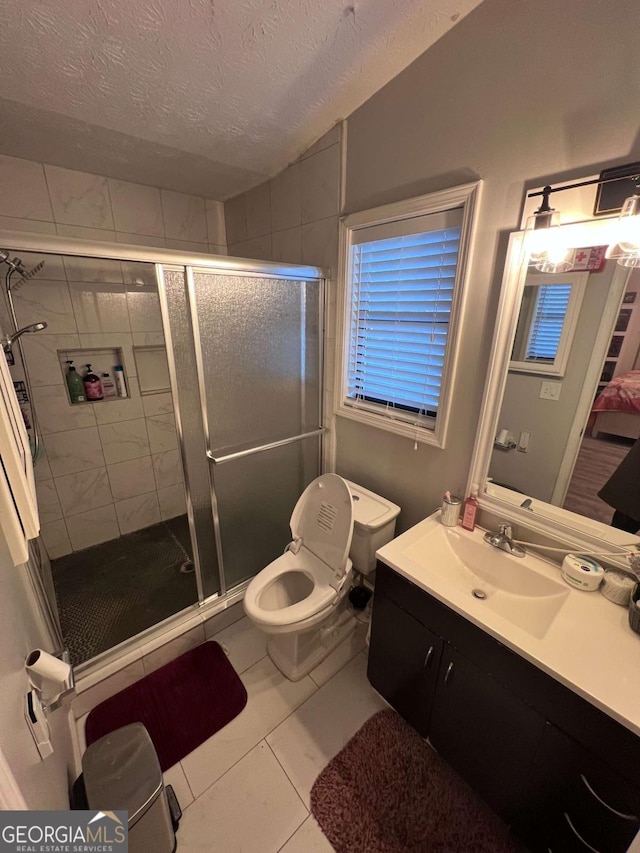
(523,442)
(550,390)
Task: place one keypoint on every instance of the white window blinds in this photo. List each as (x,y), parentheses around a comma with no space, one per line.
(548,322)
(403,276)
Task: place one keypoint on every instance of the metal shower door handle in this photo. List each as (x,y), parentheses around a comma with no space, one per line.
(240,454)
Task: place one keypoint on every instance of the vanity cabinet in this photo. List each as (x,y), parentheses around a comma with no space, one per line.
(565,775)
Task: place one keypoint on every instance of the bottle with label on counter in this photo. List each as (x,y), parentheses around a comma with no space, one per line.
(470,510)
(92,385)
(75,385)
(108,387)
(121,387)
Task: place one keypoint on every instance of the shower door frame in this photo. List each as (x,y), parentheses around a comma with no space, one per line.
(185,262)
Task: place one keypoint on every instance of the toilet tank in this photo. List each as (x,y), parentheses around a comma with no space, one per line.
(374,524)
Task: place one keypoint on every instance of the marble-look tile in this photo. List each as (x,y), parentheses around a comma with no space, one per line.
(320,244)
(162,433)
(49,508)
(136,208)
(272,698)
(190,246)
(144,309)
(32,226)
(308,739)
(320,180)
(184,216)
(79,198)
(216,231)
(57,414)
(92,696)
(23,189)
(82,232)
(235,219)
(138,512)
(124,440)
(139,274)
(287,245)
(257,205)
(49,301)
(245,643)
(42,469)
(218,249)
(141,240)
(99,307)
(56,539)
(340,656)
(41,352)
(308,839)
(258,247)
(92,527)
(254,807)
(124,408)
(218,622)
(153,369)
(148,339)
(131,478)
(175,777)
(173,649)
(167,468)
(157,404)
(74,450)
(83,491)
(331,137)
(172,500)
(286,200)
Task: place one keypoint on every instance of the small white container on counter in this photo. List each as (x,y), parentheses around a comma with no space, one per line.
(582,572)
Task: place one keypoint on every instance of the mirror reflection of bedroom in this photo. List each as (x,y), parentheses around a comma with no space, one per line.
(614,422)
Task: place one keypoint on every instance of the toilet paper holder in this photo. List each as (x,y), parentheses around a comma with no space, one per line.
(50,676)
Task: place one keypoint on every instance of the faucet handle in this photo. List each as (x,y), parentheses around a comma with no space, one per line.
(505,530)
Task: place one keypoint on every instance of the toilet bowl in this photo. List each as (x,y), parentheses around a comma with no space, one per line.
(299,599)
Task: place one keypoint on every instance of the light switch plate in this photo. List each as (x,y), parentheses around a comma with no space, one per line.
(550,390)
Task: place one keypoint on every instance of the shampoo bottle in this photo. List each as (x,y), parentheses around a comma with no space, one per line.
(470,510)
(75,385)
(121,387)
(92,385)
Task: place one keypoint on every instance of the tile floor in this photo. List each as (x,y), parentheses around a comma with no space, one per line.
(246,789)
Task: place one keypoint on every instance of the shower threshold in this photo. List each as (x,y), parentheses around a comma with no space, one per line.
(113,591)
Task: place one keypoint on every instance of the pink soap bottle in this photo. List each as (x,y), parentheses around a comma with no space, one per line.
(470,511)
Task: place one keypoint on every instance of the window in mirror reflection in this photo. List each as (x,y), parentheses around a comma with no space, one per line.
(546,323)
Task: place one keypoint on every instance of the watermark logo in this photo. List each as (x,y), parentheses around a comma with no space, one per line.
(64,832)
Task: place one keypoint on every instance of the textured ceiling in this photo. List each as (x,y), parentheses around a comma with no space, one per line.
(207,96)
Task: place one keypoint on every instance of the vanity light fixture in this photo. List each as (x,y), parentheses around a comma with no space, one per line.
(548,251)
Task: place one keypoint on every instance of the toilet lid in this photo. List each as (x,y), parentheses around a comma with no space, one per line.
(322,520)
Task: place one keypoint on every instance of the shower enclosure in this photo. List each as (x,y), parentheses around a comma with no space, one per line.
(170,498)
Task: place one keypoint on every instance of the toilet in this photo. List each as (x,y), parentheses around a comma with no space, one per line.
(300,598)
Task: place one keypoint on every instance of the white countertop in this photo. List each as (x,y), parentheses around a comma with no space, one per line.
(589,646)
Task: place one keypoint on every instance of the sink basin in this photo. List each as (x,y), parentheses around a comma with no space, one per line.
(518,589)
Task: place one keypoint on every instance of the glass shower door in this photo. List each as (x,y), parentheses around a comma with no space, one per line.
(259,365)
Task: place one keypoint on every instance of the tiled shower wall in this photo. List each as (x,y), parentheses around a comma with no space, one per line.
(294,218)
(112,467)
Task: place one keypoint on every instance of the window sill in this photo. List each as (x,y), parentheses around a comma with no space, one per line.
(398,427)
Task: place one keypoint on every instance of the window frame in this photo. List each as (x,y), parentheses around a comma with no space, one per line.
(466,197)
(557,367)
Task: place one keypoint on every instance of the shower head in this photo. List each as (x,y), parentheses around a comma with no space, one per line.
(8,342)
(15,265)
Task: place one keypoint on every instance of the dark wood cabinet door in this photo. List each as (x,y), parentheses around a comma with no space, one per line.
(403,662)
(488,735)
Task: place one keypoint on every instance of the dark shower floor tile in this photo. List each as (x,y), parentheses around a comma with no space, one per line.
(115,590)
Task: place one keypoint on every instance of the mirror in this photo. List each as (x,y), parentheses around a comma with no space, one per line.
(541,438)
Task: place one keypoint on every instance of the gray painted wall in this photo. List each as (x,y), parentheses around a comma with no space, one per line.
(516,94)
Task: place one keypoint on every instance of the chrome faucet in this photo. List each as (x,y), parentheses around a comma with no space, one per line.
(503,540)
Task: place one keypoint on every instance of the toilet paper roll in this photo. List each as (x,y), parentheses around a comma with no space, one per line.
(48,675)
(503,436)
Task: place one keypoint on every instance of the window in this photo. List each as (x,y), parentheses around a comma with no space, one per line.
(403,273)
(546,323)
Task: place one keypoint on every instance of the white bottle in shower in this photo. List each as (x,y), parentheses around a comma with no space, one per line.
(118,374)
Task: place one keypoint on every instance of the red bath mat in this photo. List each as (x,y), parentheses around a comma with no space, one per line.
(181,704)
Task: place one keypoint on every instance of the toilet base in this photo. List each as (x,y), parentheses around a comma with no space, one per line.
(296,654)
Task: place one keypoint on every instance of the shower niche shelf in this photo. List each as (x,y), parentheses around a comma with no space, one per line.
(102,360)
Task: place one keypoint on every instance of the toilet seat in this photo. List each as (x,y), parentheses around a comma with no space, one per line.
(322,527)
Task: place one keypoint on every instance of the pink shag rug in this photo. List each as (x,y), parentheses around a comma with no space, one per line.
(387,791)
